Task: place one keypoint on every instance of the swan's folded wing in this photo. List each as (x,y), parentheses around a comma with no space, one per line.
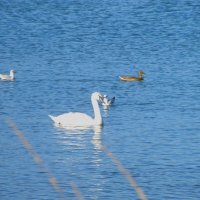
(3,76)
(74,119)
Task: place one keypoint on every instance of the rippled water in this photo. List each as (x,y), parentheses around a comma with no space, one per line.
(63,51)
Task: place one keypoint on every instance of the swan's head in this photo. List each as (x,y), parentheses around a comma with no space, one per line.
(12,71)
(96,96)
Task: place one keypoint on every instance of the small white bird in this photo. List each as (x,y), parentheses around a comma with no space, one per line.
(76,120)
(107,102)
(8,77)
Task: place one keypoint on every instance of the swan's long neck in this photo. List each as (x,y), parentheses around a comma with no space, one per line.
(97,113)
(12,74)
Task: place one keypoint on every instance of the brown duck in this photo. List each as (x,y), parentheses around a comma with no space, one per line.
(133,78)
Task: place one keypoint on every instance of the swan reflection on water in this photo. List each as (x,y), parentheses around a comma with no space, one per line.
(81,130)
(96,139)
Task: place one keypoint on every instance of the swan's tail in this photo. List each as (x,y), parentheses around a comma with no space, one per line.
(52,117)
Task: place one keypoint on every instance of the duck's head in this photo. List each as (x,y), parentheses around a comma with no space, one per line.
(140,73)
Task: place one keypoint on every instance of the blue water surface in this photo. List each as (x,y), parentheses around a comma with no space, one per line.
(63,51)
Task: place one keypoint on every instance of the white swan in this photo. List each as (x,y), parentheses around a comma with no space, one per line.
(8,77)
(80,120)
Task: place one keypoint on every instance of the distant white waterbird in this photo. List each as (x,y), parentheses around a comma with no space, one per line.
(9,77)
(78,120)
(107,102)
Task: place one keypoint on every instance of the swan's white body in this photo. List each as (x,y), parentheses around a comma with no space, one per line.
(8,77)
(80,120)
